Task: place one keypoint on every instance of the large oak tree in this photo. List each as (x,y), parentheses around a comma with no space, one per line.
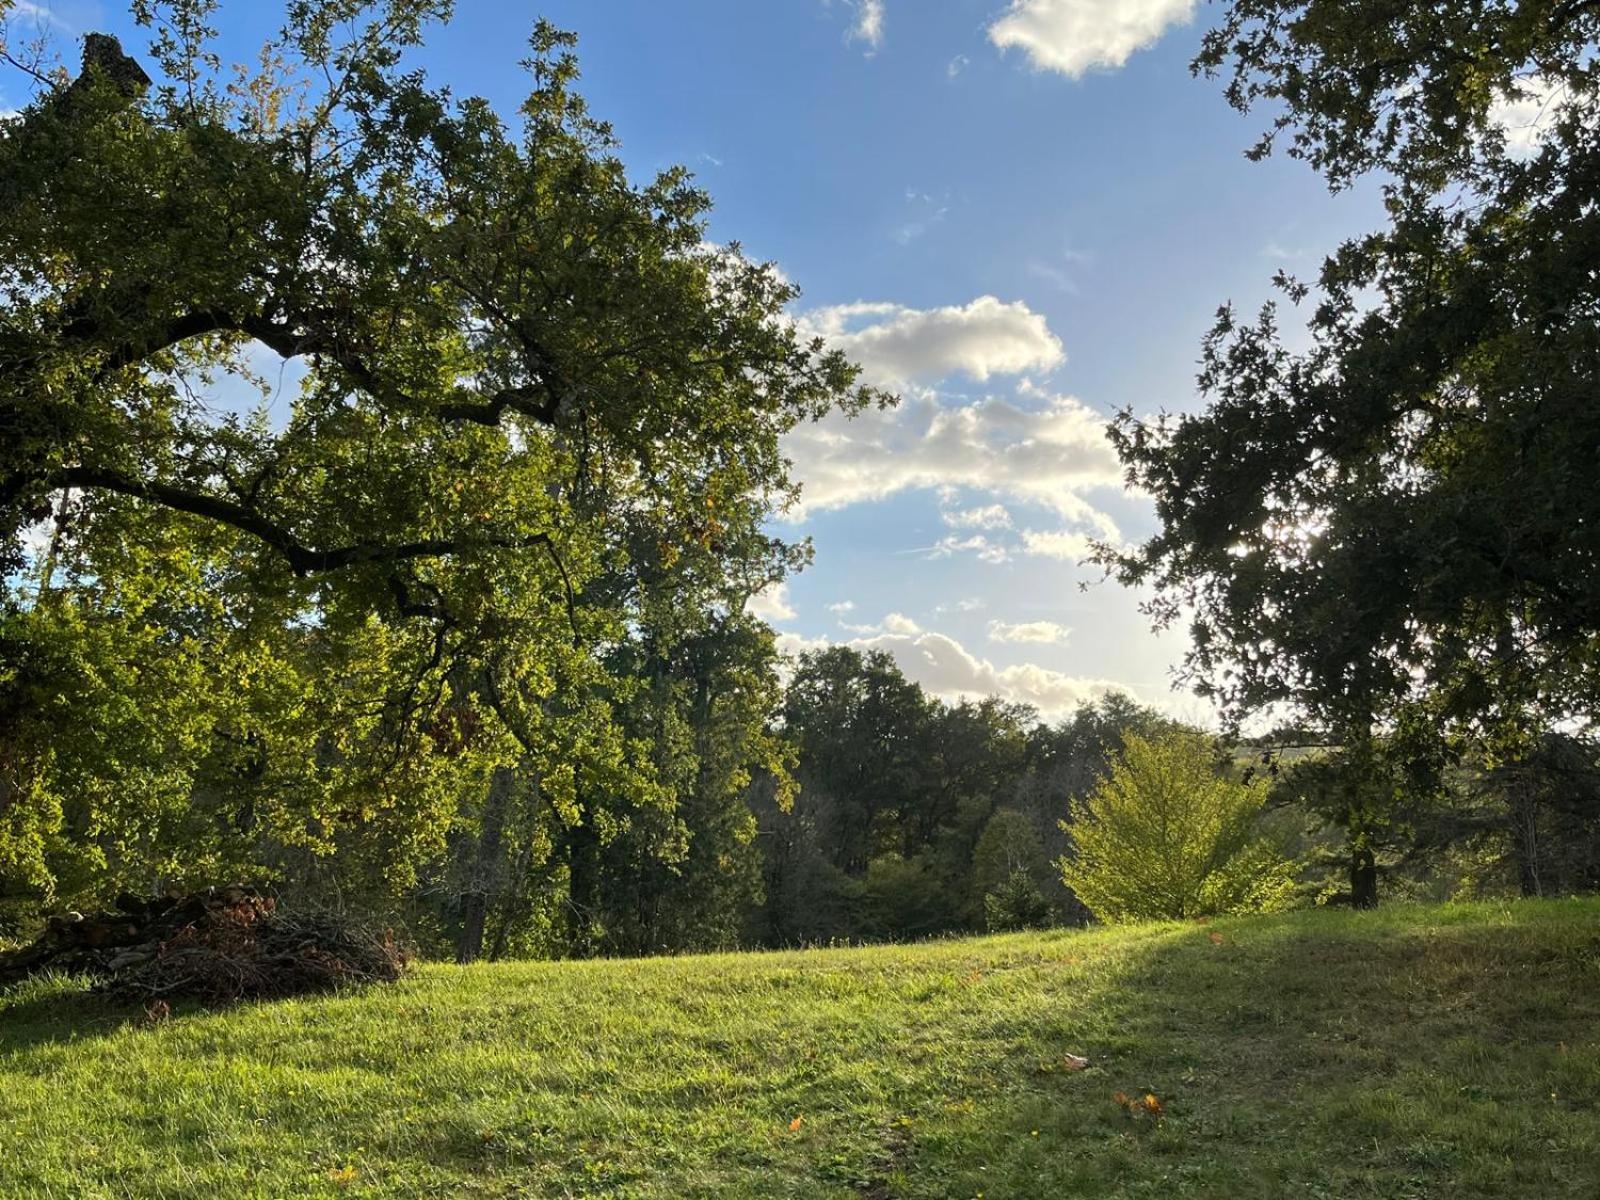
(540,414)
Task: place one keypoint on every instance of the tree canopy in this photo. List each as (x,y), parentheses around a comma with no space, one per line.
(532,442)
(1398,518)
(1166,835)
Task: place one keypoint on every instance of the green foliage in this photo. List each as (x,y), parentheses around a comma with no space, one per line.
(1015,903)
(911,812)
(527,472)
(1393,521)
(1008,869)
(1167,836)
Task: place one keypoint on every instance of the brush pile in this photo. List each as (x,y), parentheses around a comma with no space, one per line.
(219,945)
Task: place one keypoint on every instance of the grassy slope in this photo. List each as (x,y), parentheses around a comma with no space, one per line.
(1415,1052)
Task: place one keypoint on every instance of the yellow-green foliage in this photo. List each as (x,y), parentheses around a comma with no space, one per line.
(1165,836)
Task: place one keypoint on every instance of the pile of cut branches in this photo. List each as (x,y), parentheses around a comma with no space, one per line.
(221,944)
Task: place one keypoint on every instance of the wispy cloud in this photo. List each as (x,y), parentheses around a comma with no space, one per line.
(926,212)
(988,516)
(39,14)
(868,25)
(986,550)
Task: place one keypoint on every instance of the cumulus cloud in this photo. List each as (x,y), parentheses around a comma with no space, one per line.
(896,345)
(1075,36)
(1028,631)
(901,624)
(1526,115)
(1048,452)
(948,670)
(842,607)
(772,604)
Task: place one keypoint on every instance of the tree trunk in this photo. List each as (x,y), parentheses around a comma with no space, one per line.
(1363,879)
(487,868)
(583,885)
(1523,812)
(469,942)
(512,904)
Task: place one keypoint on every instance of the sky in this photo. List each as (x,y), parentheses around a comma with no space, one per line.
(1020,215)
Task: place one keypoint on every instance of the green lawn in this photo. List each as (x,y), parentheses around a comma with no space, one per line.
(1439,1052)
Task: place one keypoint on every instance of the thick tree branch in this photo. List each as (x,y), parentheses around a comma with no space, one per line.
(540,403)
(302,559)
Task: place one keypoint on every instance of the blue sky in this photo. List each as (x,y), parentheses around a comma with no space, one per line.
(1022,215)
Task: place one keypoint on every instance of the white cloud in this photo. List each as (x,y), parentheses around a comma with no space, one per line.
(896,345)
(989,516)
(957,65)
(896,623)
(901,624)
(794,644)
(39,14)
(868,25)
(1525,116)
(842,607)
(970,604)
(1074,36)
(987,551)
(35,538)
(1046,453)
(948,670)
(772,604)
(1028,631)
(927,212)
(1057,543)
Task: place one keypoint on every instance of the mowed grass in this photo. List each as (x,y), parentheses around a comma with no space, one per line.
(1413,1052)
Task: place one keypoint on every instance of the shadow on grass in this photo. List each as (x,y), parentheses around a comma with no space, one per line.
(1338,1055)
(54,1008)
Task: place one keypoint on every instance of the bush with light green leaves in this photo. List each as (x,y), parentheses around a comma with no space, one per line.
(1166,836)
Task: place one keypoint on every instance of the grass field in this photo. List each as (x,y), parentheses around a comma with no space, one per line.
(1414,1052)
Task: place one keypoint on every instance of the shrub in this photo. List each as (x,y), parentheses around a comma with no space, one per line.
(1166,836)
(1017,903)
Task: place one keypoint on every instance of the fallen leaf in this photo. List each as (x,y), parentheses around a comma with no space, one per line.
(1074,1062)
(1216,938)
(794,1125)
